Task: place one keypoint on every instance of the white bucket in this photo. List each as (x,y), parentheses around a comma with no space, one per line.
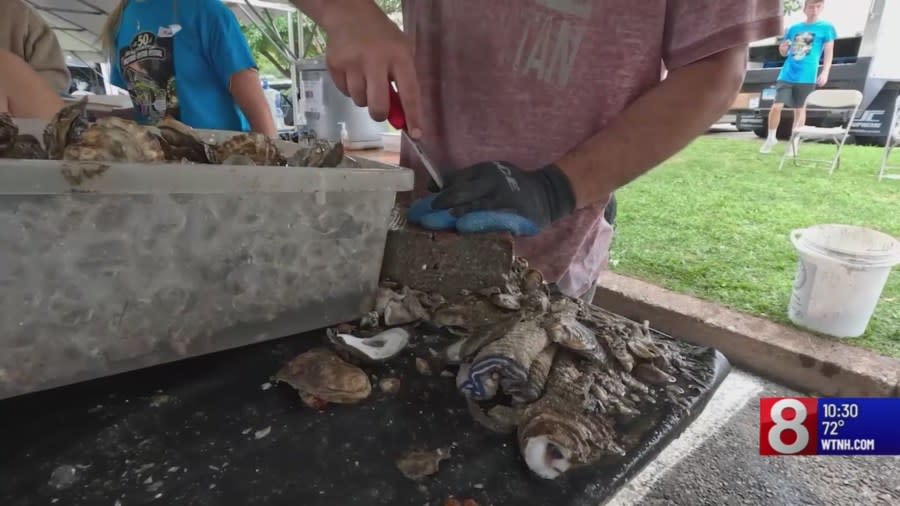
(841,273)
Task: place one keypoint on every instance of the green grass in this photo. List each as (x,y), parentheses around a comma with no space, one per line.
(714,221)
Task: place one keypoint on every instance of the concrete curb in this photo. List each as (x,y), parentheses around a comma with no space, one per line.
(794,358)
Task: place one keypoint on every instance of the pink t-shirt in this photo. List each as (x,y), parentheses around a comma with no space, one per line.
(528,80)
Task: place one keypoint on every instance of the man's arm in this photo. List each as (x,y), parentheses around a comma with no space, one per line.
(826,64)
(656,126)
(43,53)
(248,94)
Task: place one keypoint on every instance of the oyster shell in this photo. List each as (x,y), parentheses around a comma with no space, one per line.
(26,147)
(259,148)
(556,433)
(15,145)
(417,464)
(114,139)
(506,301)
(181,143)
(8,132)
(66,127)
(378,348)
(404,310)
(572,334)
(319,154)
(321,377)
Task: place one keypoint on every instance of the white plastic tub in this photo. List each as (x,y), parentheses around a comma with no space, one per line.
(136,265)
(841,273)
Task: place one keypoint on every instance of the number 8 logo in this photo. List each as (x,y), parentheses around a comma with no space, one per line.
(780,425)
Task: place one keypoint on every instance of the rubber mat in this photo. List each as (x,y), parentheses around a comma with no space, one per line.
(214,430)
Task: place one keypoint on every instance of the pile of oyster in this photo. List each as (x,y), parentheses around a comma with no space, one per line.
(576,383)
(71,135)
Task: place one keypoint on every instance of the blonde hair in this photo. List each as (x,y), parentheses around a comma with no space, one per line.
(111,30)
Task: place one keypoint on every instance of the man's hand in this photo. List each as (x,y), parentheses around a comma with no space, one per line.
(247,91)
(826,67)
(365,52)
(497,196)
(784,47)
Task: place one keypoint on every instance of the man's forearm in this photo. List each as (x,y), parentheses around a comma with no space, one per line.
(328,12)
(656,126)
(829,58)
(249,96)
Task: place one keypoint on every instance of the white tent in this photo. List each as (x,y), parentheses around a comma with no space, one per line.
(78,23)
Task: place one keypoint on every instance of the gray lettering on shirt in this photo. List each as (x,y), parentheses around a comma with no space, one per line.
(550,40)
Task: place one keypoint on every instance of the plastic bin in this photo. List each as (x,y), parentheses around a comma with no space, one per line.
(106,268)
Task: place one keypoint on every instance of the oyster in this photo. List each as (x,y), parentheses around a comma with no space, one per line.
(649,373)
(567,331)
(404,309)
(417,464)
(533,388)
(66,127)
(181,143)
(112,139)
(532,280)
(506,301)
(257,147)
(500,419)
(26,147)
(557,433)
(319,154)
(378,348)
(508,358)
(321,377)
(8,132)
(15,145)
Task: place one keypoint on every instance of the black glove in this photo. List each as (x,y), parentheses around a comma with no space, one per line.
(542,196)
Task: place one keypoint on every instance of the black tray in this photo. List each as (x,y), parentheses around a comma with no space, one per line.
(201,415)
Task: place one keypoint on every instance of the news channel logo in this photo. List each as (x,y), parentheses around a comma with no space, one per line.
(798,426)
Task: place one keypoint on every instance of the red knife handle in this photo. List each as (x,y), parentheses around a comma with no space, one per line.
(396,117)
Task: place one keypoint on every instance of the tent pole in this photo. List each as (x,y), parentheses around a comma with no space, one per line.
(292,41)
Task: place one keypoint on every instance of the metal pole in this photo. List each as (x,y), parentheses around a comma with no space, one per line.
(292,41)
(301,44)
(269,30)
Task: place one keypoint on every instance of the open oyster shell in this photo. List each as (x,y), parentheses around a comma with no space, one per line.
(114,139)
(66,127)
(181,143)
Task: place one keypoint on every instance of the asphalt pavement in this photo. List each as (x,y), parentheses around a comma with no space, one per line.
(716,461)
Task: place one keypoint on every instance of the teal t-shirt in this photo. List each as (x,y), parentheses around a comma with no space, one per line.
(807,43)
(176,58)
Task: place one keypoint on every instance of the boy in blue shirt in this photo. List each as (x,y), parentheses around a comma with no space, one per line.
(803,46)
(189,60)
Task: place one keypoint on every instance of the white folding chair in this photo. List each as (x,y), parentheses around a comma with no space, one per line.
(892,141)
(831,100)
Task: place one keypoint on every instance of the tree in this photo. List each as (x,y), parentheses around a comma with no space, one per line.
(792,6)
(270,58)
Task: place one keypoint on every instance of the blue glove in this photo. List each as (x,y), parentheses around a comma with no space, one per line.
(496,197)
(421,213)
